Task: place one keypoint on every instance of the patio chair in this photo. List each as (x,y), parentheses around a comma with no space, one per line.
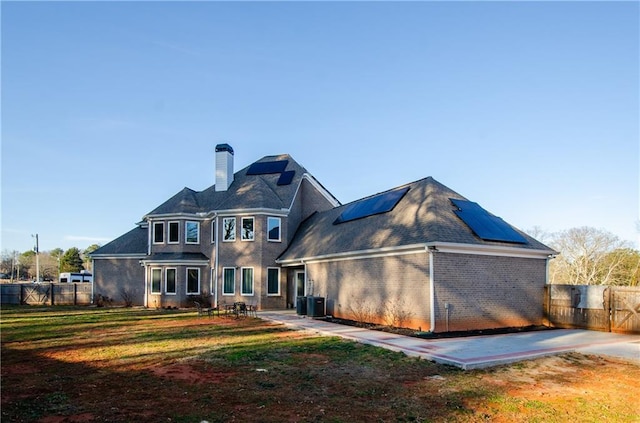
(240,309)
(203,310)
(252,310)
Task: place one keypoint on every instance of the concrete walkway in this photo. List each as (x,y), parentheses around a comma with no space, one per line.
(475,352)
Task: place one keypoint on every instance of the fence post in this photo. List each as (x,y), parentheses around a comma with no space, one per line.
(75,294)
(52,294)
(21,294)
(608,294)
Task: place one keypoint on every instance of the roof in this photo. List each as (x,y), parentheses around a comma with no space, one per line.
(424,214)
(132,243)
(171,257)
(252,188)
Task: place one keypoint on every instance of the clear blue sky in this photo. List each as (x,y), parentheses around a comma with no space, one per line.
(108,109)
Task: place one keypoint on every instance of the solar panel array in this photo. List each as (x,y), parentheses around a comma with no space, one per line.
(286,177)
(484,224)
(266,168)
(276,166)
(380,203)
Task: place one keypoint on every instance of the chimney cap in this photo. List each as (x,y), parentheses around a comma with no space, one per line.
(224,147)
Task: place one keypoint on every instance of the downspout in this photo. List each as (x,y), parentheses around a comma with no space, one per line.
(215,264)
(432,290)
(146,285)
(306,288)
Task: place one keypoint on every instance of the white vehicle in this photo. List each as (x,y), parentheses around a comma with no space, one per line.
(76,277)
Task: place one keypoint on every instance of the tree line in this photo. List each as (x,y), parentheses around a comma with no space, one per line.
(22,266)
(590,256)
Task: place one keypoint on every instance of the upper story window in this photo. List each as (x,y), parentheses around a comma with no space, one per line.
(213,231)
(158,232)
(192,232)
(273,229)
(247,229)
(229,229)
(174,232)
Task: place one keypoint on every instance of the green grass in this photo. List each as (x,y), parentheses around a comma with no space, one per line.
(121,365)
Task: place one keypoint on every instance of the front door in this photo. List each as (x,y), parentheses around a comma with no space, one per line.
(300,284)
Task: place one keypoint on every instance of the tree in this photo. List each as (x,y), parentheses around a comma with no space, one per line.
(27,262)
(85,255)
(627,272)
(71,261)
(586,257)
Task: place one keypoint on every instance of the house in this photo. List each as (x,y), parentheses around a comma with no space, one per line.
(220,243)
(419,255)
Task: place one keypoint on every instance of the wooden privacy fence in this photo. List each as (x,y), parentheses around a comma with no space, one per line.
(595,307)
(46,293)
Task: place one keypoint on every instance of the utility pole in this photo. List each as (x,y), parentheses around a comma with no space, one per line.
(36,249)
(13,265)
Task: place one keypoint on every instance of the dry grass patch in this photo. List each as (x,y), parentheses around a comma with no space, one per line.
(123,365)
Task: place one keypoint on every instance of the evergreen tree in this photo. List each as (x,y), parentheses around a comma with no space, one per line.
(71,261)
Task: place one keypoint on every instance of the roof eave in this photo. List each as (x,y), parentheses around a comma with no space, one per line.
(435,246)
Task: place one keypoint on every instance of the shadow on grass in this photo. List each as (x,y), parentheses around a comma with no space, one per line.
(101,369)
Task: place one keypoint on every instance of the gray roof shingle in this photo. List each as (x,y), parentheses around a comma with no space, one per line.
(245,192)
(133,242)
(425,214)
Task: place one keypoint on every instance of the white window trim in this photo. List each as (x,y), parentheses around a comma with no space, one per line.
(227,294)
(169,232)
(235,228)
(187,281)
(159,292)
(213,231)
(253,282)
(242,238)
(277,294)
(186,232)
(153,235)
(175,271)
(279,231)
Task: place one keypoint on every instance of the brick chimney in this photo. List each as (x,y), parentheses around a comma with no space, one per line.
(224,166)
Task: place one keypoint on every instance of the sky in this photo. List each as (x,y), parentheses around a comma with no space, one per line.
(530,109)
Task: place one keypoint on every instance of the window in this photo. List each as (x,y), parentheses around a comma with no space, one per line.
(229,229)
(273,229)
(158,232)
(193,281)
(247,229)
(273,281)
(213,231)
(192,232)
(247,281)
(229,281)
(174,235)
(170,281)
(156,281)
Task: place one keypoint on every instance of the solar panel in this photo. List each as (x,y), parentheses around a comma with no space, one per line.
(380,203)
(484,224)
(286,177)
(265,168)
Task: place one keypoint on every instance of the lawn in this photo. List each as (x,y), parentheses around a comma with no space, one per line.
(135,365)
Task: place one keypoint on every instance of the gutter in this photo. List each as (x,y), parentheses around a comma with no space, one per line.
(445,247)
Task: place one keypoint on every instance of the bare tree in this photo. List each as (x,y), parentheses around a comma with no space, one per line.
(585,256)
